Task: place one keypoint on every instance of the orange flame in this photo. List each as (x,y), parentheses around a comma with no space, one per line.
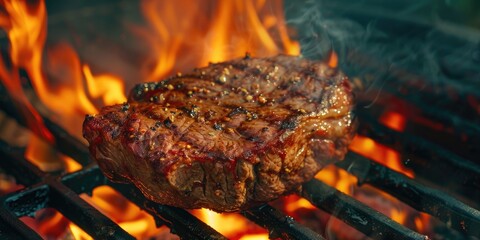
(393,120)
(422,222)
(338,178)
(346,183)
(107,87)
(379,153)
(25,26)
(136,222)
(382,154)
(232,225)
(332,60)
(70,88)
(234,28)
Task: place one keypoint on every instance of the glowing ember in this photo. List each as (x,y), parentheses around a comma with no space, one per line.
(381,154)
(78,233)
(393,120)
(294,202)
(48,223)
(422,223)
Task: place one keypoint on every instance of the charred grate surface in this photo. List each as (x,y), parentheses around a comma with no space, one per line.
(355,213)
(279,225)
(425,199)
(61,192)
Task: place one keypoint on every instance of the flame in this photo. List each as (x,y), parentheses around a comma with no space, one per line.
(69,88)
(232,225)
(233,29)
(70,164)
(338,178)
(294,202)
(393,120)
(346,183)
(44,156)
(78,233)
(422,223)
(332,60)
(398,215)
(261,236)
(69,99)
(25,27)
(48,223)
(107,87)
(128,216)
(63,94)
(379,153)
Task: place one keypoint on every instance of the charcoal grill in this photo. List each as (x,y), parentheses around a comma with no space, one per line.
(431,191)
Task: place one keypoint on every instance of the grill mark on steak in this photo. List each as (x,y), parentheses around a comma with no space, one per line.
(257,127)
(290,123)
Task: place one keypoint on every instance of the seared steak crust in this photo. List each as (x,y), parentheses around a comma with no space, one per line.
(227,136)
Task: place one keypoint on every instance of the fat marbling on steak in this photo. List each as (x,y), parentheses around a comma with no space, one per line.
(228,136)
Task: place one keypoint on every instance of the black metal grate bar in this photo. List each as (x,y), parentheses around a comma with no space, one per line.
(405,142)
(12,228)
(178,220)
(64,142)
(363,218)
(60,190)
(445,116)
(278,224)
(83,214)
(25,172)
(51,193)
(434,202)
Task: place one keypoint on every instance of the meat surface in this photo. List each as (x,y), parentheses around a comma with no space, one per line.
(228,136)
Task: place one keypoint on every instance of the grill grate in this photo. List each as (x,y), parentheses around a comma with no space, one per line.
(61,192)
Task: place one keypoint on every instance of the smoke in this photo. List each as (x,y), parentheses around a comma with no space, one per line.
(379,42)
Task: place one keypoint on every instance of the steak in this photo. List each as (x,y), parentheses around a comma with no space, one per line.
(228,136)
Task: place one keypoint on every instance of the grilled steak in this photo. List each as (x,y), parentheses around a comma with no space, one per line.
(228,136)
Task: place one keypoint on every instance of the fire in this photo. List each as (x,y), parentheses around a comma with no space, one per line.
(233,28)
(393,120)
(332,60)
(107,87)
(25,28)
(421,222)
(136,222)
(379,153)
(69,88)
(382,154)
(294,202)
(78,233)
(231,224)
